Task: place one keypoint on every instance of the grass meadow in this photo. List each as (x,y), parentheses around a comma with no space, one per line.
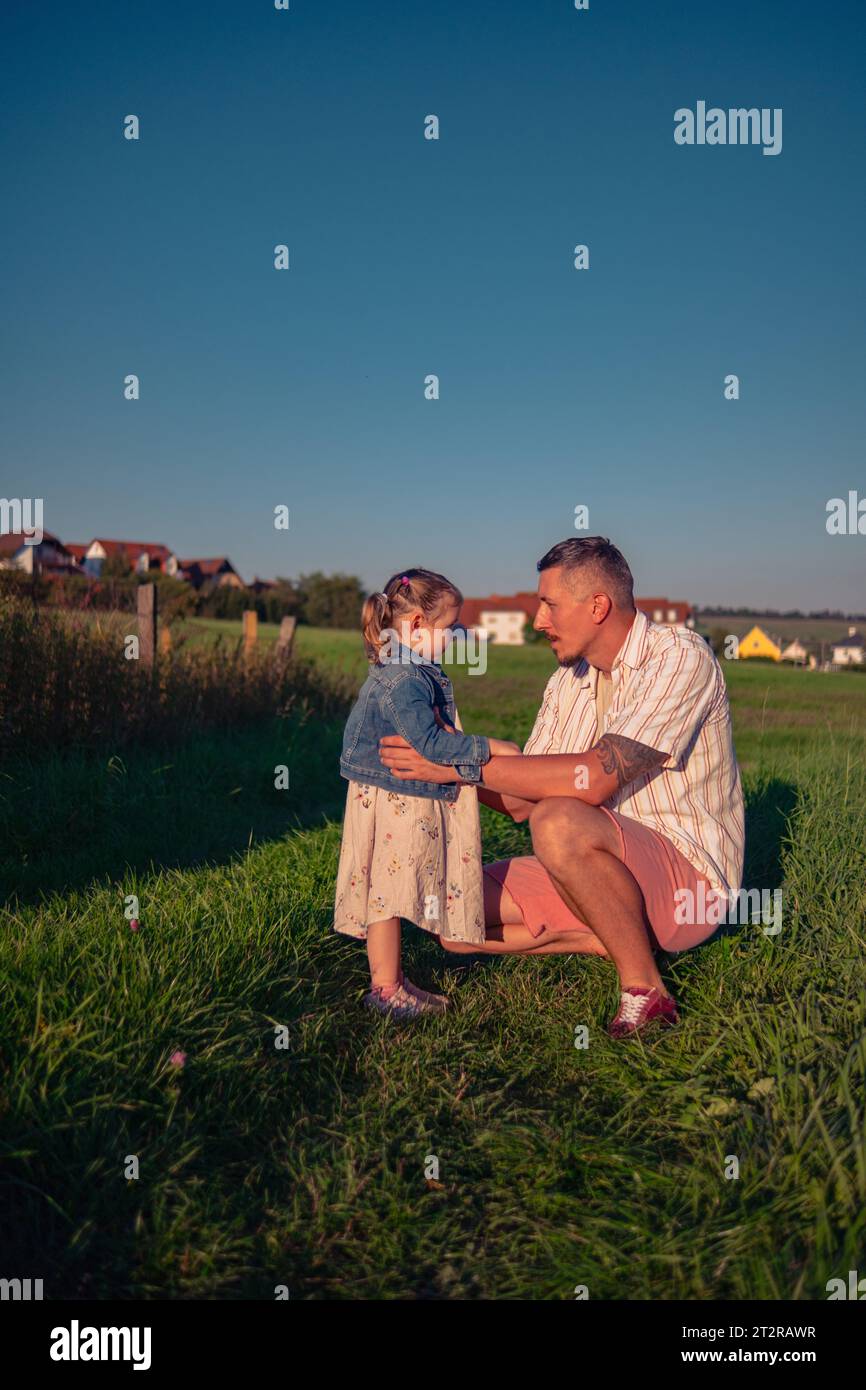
(306,1165)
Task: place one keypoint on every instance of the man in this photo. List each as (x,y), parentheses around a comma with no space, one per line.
(629,781)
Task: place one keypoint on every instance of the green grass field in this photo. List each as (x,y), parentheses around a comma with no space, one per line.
(305,1166)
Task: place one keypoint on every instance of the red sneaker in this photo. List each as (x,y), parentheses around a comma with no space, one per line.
(638,1007)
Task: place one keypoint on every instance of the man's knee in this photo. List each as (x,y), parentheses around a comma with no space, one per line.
(565,830)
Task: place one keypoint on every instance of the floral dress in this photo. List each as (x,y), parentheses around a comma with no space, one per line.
(411,857)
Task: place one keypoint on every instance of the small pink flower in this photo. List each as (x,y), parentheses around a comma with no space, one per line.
(178,1059)
(133,924)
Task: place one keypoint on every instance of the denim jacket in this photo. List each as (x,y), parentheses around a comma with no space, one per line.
(399,696)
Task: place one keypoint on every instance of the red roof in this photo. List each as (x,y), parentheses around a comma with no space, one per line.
(77,550)
(649,606)
(133,548)
(12,541)
(208,566)
(525,602)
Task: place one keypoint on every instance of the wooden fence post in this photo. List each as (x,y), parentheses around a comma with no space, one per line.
(286,637)
(147,616)
(251,628)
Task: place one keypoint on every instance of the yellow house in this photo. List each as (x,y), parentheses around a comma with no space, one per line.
(757,643)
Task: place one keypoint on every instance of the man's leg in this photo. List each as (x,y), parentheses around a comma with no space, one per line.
(507,934)
(579,847)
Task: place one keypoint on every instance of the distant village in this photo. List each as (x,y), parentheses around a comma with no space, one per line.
(502,618)
(849,651)
(52,558)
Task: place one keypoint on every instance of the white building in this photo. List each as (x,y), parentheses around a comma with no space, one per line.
(141,556)
(796,652)
(849,652)
(17,552)
(505,628)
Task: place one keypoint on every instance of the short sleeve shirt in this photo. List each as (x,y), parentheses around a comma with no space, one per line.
(666,691)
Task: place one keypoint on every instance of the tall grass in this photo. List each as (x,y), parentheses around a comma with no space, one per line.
(65,681)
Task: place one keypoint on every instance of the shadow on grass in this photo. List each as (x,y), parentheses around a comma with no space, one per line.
(770,802)
(69,818)
(66,819)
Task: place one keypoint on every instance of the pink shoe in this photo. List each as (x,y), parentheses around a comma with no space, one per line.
(638,1007)
(437,1003)
(404,1000)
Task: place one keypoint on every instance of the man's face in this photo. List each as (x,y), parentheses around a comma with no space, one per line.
(565,614)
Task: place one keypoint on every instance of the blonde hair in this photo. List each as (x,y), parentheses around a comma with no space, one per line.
(403,594)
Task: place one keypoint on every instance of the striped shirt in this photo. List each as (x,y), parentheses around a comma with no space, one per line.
(668,692)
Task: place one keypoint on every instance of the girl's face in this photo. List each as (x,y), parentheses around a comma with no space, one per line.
(430,636)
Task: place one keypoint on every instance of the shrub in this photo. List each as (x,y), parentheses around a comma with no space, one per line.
(65,681)
(330,600)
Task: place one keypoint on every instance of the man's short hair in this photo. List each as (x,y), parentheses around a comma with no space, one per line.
(596,558)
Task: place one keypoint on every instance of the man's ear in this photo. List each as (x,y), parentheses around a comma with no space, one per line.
(601,606)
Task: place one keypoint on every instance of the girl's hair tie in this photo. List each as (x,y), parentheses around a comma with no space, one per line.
(404,579)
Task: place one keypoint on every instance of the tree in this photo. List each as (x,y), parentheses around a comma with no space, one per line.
(177,598)
(330,600)
(116,566)
(282,601)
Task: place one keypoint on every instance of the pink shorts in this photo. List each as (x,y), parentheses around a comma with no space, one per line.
(653,861)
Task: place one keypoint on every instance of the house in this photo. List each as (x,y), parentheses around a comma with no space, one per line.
(666,610)
(141,556)
(850,652)
(757,643)
(216,572)
(49,557)
(796,652)
(261,586)
(502,618)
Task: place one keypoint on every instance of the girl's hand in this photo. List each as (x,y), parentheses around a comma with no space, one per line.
(443,723)
(503,748)
(499,747)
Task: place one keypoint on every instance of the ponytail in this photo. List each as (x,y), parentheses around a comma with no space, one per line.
(375,619)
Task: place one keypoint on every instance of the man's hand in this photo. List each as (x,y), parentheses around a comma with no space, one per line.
(404,763)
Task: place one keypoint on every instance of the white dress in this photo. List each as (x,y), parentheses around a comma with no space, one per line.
(412,857)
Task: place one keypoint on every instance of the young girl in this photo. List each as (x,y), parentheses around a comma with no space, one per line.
(410,849)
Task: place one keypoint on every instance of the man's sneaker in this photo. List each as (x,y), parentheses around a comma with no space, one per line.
(638,1007)
(405,1002)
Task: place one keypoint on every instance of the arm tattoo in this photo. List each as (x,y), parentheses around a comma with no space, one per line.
(626,758)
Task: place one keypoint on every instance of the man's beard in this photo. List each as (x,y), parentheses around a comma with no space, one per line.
(569,659)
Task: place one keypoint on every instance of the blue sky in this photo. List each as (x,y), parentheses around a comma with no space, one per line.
(410,257)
